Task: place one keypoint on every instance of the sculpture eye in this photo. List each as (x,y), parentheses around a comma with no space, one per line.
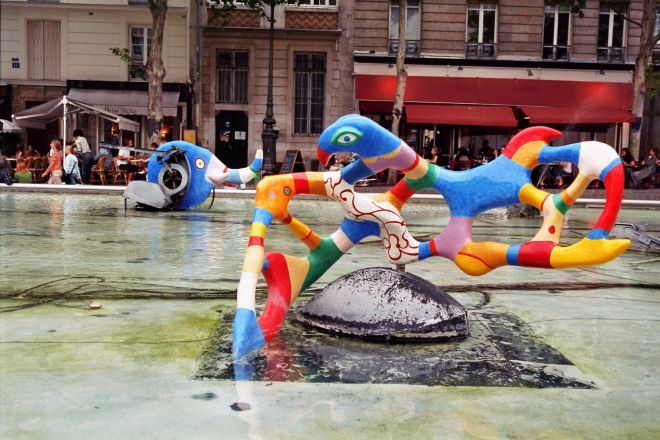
(346,137)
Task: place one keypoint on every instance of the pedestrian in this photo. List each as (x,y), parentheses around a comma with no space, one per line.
(71,170)
(87,157)
(54,163)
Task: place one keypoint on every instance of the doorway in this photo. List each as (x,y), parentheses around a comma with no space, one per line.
(231,142)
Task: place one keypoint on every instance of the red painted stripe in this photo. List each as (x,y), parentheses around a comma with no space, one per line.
(287,220)
(530,134)
(256,241)
(402,191)
(301,183)
(412,167)
(434,250)
(535,253)
(476,258)
(308,235)
(614,182)
(279,295)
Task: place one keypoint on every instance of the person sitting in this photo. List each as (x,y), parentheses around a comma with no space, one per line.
(22,174)
(647,169)
(628,165)
(54,163)
(71,170)
(462,160)
(107,164)
(123,161)
(434,155)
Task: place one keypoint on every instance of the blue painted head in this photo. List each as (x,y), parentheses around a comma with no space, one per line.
(356,134)
(202,164)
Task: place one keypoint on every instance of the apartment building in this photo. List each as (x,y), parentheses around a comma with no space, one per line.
(312,77)
(53,48)
(480,70)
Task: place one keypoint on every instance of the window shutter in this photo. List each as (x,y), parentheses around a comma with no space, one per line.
(35,49)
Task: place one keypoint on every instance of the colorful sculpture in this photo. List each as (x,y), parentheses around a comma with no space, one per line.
(181,175)
(504,181)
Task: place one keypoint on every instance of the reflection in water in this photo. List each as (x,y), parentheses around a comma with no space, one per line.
(502,351)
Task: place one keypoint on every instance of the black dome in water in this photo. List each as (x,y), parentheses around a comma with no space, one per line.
(381,303)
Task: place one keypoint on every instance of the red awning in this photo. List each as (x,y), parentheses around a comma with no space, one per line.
(482,115)
(611,99)
(577,115)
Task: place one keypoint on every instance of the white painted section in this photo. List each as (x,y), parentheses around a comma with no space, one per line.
(594,157)
(342,242)
(498,72)
(247,287)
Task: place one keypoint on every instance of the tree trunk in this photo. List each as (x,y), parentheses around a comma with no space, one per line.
(156,70)
(647,41)
(401,76)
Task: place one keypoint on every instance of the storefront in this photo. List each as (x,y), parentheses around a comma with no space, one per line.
(455,112)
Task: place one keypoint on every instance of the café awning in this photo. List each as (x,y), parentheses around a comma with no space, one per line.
(42,114)
(124,102)
(565,102)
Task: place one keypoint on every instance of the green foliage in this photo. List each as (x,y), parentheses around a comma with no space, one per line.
(123,53)
(261,6)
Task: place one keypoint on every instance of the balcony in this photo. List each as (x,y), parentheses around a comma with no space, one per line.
(480,50)
(557,53)
(412,47)
(611,54)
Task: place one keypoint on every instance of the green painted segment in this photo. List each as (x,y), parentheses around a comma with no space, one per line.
(559,204)
(321,259)
(424,182)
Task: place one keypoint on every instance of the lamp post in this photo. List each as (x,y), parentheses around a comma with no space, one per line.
(268,135)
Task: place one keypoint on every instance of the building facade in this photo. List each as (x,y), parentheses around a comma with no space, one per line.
(312,81)
(479,71)
(56,48)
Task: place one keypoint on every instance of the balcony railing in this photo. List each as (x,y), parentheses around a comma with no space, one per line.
(412,47)
(480,50)
(611,54)
(557,53)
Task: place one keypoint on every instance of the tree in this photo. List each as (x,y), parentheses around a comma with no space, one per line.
(401,77)
(642,83)
(156,70)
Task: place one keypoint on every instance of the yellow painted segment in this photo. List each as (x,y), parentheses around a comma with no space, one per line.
(313,241)
(272,195)
(587,252)
(528,154)
(258,230)
(301,230)
(316,184)
(576,189)
(298,269)
(479,258)
(254,259)
(384,156)
(552,221)
(531,195)
(419,171)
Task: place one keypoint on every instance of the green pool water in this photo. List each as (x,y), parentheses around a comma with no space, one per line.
(165,282)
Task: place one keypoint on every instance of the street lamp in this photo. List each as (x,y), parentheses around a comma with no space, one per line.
(269,135)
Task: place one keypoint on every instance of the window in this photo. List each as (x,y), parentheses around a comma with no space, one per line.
(232,76)
(656,49)
(43,49)
(318,3)
(611,36)
(412,27)
(481,30)
(556,32)
(140,47)
(309,94)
